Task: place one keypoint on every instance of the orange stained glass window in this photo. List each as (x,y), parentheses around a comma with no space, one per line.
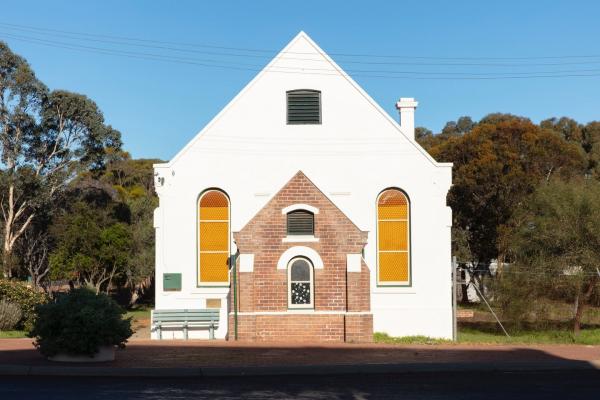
(213,238)
(393,238)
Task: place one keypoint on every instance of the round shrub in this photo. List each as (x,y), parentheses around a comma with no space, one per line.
(26,298)
(10,315)
(79,323)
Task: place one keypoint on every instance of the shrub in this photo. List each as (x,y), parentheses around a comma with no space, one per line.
(10,315)
(26,298)
(79,323)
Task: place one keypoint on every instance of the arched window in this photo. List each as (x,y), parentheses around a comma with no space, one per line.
(213,238)
(393,238)
(300,283)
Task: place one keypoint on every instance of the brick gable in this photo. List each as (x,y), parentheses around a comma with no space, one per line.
(263,293)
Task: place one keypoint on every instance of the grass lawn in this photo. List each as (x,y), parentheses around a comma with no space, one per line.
(475,336)
(138,313)
(379,337)
(12,334)
(547,336)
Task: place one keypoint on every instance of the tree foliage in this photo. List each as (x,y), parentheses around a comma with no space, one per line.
(555,243)
(46,138)
(74,205)
(79,323)
(93,240)
(134,181)
(26,298)
(497,164)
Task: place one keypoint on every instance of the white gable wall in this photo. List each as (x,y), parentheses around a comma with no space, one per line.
(249,152)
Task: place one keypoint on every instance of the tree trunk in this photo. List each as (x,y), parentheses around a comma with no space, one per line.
(499,264)
(578,314)
(12,216)
(6,247)
(135,295)
(464,288)
(583,299)
(139,289)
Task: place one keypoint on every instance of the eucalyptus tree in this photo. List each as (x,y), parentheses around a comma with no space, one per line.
(92,235)
(496,165)
(46,137)
(555,243)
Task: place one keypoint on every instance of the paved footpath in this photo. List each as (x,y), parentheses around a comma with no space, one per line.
(221,358)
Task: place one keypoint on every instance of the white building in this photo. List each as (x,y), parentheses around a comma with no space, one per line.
(337,215)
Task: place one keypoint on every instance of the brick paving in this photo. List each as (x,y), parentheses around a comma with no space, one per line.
(166,354)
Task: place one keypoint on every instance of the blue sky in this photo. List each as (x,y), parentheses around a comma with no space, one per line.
(159,106)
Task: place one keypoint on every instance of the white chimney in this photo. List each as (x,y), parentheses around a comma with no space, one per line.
(407,106)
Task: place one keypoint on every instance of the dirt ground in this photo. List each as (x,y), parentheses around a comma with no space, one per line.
(141,329)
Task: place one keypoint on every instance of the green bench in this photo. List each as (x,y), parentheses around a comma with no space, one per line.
(186,319)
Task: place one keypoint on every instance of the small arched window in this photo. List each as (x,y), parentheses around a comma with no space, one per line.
(213,238)
(393,238)
(300,223)
(303,107)
(300,283)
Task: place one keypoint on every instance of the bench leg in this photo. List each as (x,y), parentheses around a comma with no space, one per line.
(185,332)
(211,332)
(159,332)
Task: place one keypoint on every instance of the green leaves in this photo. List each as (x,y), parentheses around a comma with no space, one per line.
(46,139)
(554,242)
(93,238)
(79,323)
(497,164)
(27,299)
(560,224)
(73,129)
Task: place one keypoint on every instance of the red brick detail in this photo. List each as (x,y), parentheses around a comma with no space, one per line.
(359,289)
(305,328)
(246,327)
(265,289)
(359,328)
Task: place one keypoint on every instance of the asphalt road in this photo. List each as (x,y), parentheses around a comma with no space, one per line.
(505,386)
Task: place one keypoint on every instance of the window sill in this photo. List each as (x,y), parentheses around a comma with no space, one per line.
(394,290)
(300,239)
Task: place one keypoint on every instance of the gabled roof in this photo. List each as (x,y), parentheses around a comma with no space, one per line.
(268,69)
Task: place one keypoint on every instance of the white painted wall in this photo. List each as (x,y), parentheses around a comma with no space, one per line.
(249,152)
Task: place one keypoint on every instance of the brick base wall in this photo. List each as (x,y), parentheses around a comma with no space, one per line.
(304,328)
(359,328)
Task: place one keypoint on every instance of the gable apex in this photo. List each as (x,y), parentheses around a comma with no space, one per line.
(293,61)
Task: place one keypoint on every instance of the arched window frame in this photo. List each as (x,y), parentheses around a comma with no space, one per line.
(310,306)
(199,221)
(408,281)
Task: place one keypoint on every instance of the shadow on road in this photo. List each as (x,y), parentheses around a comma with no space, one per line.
(196,354)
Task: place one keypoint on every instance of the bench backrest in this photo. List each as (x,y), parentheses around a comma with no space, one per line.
(186,315)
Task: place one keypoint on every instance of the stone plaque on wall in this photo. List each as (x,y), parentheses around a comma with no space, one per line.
(213,303)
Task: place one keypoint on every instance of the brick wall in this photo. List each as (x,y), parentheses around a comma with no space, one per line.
(359,328)
(265,289)
(304,328)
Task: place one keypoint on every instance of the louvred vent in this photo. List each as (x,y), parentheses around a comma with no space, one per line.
(303,107)
(300,222)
